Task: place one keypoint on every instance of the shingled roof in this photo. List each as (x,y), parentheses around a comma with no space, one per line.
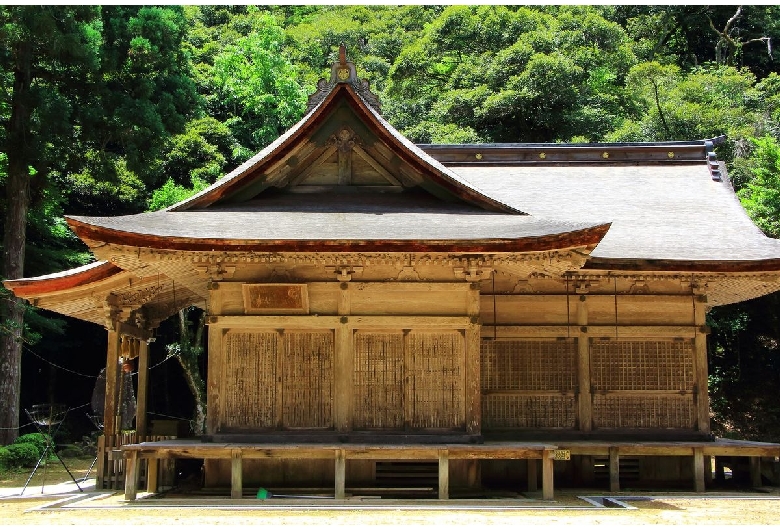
(343,179)
(669,204)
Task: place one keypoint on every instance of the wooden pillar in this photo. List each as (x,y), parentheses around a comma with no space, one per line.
(698,469)
(614,469)
(755,471)
(708,460)
(143,389)
(102,457)
(216,337)
(152,467)
(131,476)
(532,472)
(215,340)
(111,408)
(584,401)
(236,474)
(472,365)
(342,403)
(340,474)
(700,364)
(547,475)
(444,474)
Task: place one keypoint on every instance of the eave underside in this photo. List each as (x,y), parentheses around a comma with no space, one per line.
(103,293)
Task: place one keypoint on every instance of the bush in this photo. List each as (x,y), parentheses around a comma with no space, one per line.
(37,439)
(71,451)
(5,456)
(22,454)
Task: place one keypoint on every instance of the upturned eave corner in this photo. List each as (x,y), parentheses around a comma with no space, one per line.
(52,283)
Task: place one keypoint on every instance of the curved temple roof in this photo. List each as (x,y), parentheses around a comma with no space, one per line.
(343,180)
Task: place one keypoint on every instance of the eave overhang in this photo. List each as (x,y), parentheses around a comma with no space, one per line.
(95,236)
(70,279)
(685,266)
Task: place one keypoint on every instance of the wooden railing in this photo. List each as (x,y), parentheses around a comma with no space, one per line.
(110,471)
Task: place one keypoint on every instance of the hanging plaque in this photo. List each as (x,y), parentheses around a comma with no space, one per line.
(276,298)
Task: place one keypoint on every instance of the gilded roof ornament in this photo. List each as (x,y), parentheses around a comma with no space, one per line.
(343,72)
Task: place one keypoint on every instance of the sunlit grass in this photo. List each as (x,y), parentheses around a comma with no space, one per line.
(54,472)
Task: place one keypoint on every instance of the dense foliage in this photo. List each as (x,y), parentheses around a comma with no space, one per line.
(118,109)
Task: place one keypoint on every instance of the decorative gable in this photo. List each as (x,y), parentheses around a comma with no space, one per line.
(342,146)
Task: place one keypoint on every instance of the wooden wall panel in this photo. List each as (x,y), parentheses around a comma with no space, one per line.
(603,310)
(524,309)
(378,380)
(435,391)
(406,299)
(307,379)
(654,310)
(248,396)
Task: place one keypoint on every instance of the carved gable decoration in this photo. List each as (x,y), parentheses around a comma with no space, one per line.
(276,298)
(343,72)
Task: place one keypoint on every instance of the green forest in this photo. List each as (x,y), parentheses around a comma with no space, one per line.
(110,110)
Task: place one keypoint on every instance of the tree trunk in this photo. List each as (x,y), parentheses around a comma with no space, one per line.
(14,238)
(190,350)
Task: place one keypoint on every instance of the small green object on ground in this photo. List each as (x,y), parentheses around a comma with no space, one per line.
(263,493)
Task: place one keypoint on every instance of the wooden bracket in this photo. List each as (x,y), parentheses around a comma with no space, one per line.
(344,273)
(216,272)
(473,274)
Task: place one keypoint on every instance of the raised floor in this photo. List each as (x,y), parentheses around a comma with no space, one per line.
(545,452)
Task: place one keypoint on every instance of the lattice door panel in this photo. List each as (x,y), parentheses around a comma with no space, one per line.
(435,379)
(642,365)
(528,384)
(643,412)
(526,365)
(250,361)
(378,380)
(307,394)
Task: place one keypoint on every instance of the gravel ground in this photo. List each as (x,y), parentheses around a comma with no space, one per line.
(56,507)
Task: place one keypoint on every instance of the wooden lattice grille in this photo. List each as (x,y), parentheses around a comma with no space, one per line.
(648,411)
(249,401)
(528,365)
(646,365)
(436,379)
(512,371)
(643,384)
(378,380)
(308,379)
(525,412)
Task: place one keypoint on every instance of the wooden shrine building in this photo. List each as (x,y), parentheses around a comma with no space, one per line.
(480,307)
